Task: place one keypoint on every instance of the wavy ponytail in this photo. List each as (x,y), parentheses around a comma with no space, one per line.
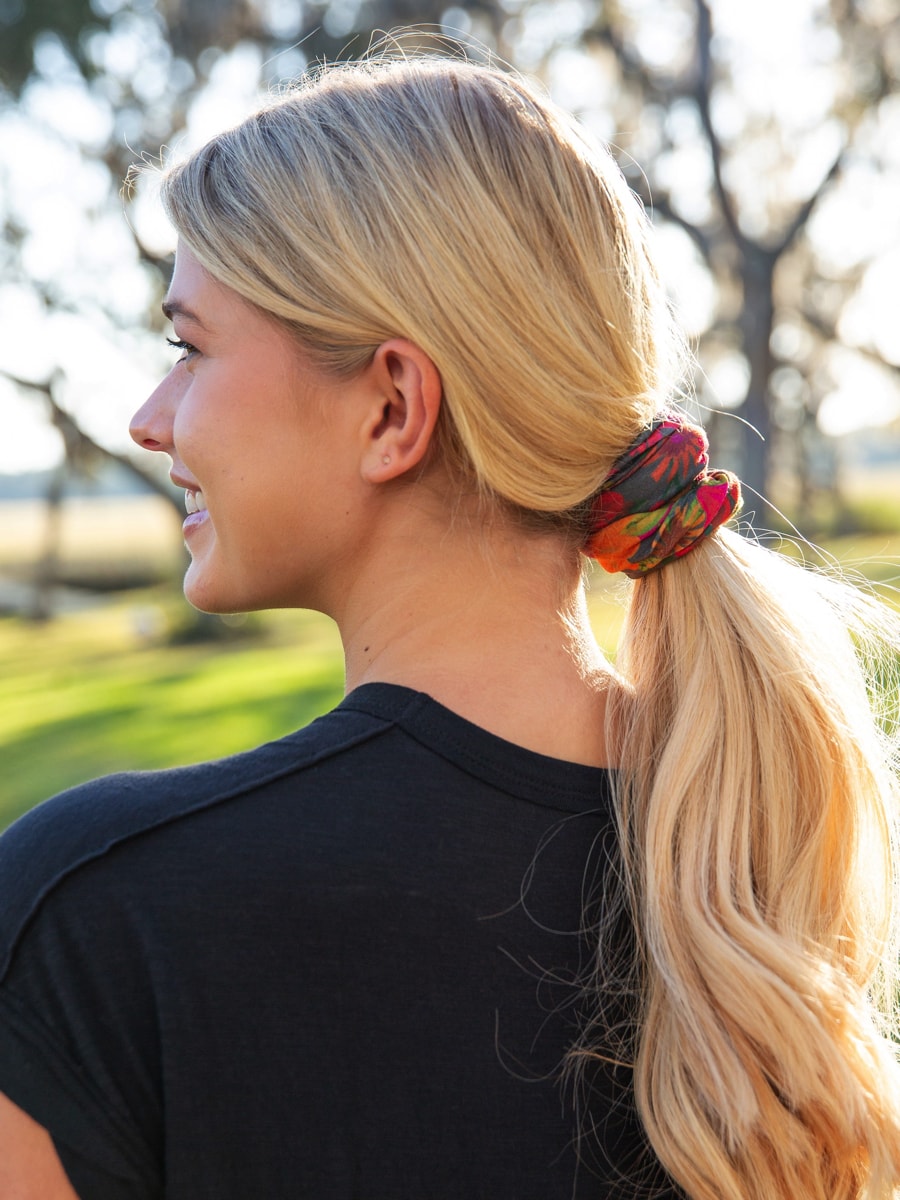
(758,820)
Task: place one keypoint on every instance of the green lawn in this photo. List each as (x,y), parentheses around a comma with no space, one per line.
(90,693)
(83,696)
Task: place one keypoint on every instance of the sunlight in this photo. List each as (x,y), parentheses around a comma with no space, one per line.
(78,254)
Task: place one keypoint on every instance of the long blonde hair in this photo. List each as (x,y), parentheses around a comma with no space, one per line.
(454,205)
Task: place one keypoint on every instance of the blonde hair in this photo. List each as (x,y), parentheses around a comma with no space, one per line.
(453,205)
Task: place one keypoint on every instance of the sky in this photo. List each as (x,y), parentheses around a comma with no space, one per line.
(80,249)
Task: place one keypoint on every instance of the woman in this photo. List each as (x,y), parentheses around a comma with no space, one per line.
(433,945)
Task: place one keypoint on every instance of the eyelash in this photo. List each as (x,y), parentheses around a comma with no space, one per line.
(185,347)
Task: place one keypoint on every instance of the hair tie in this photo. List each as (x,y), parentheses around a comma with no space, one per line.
(659,500)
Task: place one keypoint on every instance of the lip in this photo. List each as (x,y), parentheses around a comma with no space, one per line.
(181,481)
(193,520)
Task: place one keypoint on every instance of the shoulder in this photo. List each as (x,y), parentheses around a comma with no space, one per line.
(87,823)
(384,779)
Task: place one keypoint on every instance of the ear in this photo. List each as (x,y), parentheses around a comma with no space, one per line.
(400,423)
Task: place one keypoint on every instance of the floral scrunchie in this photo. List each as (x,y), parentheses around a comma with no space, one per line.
(659,500)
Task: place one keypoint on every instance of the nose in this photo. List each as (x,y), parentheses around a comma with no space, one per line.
(152,425)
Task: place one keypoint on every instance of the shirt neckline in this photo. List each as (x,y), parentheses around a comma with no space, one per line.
(517,769)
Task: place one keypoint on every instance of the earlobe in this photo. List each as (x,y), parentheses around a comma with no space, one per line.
(399,430)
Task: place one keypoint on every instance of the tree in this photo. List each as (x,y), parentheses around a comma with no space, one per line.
(746,181)
(102,85)
(755,184)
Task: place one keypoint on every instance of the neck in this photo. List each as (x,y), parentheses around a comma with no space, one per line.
(493,624)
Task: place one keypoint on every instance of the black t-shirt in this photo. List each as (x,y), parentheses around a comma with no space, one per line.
(343,965)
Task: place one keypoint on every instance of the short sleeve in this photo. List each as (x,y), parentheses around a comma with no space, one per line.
(77,1024)
(97,1145)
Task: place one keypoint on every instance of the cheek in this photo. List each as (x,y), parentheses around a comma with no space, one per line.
(206,441)
(187,427)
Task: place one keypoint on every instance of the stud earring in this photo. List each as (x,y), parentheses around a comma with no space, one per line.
(385,458)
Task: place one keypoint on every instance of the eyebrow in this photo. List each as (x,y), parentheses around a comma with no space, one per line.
(174,308)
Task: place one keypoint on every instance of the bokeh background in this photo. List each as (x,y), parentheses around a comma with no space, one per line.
(764,140)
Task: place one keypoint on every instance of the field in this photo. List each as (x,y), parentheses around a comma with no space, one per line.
(89,693)
(103,688)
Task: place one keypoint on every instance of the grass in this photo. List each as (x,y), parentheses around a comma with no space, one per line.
(84,696)
(88,694)
(99,690)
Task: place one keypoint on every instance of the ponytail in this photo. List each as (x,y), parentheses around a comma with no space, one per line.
(757,818)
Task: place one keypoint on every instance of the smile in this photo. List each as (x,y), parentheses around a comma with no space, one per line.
(195,507)
(193,502)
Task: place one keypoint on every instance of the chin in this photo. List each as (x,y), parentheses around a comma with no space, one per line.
(225,599)
(214,608)
(212,605)
(208,596)
(221,592)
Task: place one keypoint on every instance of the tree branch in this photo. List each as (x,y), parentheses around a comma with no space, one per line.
(806,210)
(77,441)
(633,67)
(661,205)
(828,331)
(702,92)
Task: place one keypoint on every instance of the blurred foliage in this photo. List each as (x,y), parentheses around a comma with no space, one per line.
(748,184)
(866,514)
(745,170)
(23,21)
(833,518)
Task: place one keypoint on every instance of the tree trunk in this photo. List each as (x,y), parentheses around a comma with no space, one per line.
(757,319)
(46,570)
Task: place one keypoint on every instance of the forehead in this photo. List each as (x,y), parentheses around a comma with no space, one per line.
(205,310)
(197,298)
(190,286)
